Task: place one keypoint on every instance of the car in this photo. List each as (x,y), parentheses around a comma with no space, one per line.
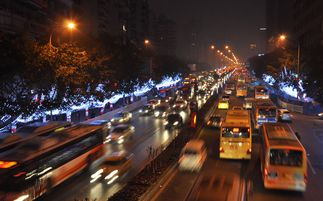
(147,110)
(173,120)
(223,104)
(121,118)
(215,187)
(320,115)
(284,115)
(161,111)
(227,91)
(193,156)
(113,167)
(237,108)
(119,133)
(225,97)
(180,105)
(247,105)
(215,121)
(153,102)
(202,94)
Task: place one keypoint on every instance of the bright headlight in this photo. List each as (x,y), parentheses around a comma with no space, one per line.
(175,123)
(165,123)
(140,110)
(320,115)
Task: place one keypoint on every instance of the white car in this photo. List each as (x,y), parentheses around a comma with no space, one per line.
(121,118)
(120,133)
(320,115)
(193,156)
(247,105)
(284,115)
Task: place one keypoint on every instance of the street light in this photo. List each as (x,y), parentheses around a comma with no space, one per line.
(146,42)
(226,47)
(282,38)
(212,47)
(69,25)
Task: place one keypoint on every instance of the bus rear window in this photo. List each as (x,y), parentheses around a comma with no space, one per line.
(236,132)
(285,157)
(267,112)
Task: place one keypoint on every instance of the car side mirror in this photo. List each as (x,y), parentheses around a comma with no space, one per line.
(298,136)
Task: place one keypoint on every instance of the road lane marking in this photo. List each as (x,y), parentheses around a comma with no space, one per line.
(311,166)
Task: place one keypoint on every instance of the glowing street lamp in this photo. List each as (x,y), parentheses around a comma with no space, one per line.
(146,42)
(282,37)
(212,47)
(69,25)
(226,47)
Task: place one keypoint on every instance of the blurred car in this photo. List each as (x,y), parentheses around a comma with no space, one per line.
(161,111)
(225,97)
(153,102)
(193,156)
(247,105)
(284,115)
(215,121)
(228,91)
(147,110)
(120,133)
(121,118)
(173,120)
(216,187)
(113,167)
(105,123)
(320,115)
(237,108)
(180,105)
(223,104)
(201,95)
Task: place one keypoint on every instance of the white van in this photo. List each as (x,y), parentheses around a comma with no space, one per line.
(193,156)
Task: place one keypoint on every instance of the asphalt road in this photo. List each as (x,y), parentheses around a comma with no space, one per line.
(148,132)
(311,132)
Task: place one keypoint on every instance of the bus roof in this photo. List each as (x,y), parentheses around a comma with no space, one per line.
(239,118)
(264,103)
(41,144)
(280,134)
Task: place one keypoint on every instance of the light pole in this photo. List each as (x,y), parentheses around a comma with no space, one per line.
(69,25)
(147,44)
(283,38)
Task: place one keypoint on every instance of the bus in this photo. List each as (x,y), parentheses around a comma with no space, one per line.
(264,111)
(283,158)
(242,90)
(261,92)
(241,79)
(30,131)
(236,135)
(186,92)
(43,162)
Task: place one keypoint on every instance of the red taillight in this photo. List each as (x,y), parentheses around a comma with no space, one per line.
(266,172)
(249,151)
(221,150)
(305,178)
(7,164)
(19,174)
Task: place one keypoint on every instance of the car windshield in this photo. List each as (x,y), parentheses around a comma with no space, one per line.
(190,152)
(119,115)
(285,157)
(215,119)
(161,108)
(119,129)
(115,161)
(147,107)
(172,118)
(267,112)
(236,132)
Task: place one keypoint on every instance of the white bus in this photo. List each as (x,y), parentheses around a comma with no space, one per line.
(43,162)
(236,135)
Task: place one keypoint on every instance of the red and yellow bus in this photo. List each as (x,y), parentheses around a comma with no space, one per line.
(43,162)
(261,92)
(283,158)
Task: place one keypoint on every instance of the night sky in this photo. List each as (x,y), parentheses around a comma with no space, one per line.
(233,22)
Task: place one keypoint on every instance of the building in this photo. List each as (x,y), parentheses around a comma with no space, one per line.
(127,18)
(164,35)
(308,24)
(17,16)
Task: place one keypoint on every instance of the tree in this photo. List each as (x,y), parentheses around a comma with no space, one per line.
(168,65)
(313,71)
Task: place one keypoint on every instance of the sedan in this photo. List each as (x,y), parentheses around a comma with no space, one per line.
(215,121)
(161,111)
(173,120)
(147,110)
(120,133)
(284,115)
(180,105)
(113,167)
(121,118)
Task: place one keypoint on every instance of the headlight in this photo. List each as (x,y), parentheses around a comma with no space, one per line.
(140,110)
(113,120)
(146,111)
(121,120)
(175,123)
(165,123)
(174,106)
(164,114)
(109,176)
(156,114)
(320,115)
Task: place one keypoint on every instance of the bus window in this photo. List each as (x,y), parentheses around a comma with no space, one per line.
(236,132)
(285,157)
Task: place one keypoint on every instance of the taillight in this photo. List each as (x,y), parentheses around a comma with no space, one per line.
(305,178)
(7,164)
(249,151)
(221,150)
(266,172)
